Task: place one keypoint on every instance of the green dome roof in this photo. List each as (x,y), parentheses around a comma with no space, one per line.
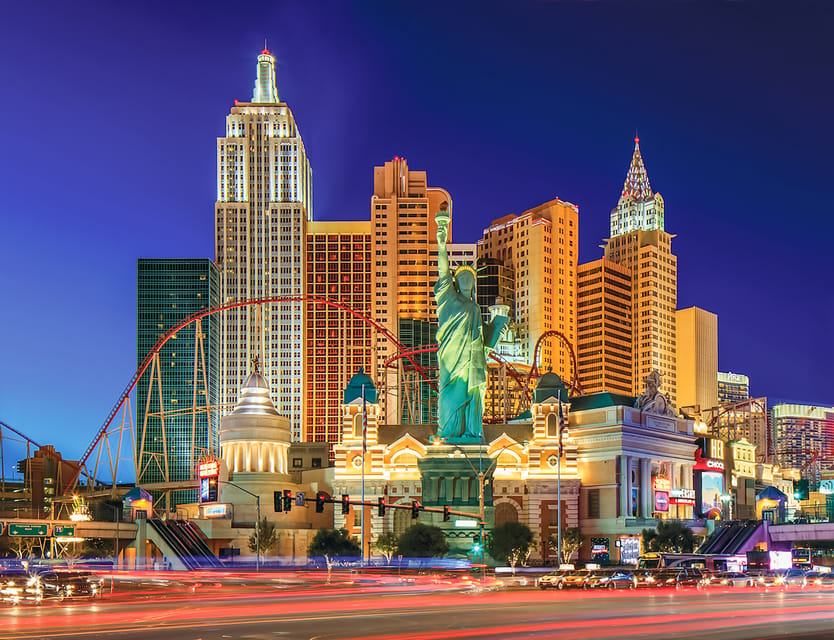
(354,388)
(550,385)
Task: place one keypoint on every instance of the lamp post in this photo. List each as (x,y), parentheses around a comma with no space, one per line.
(459,453)
(257,522)
(563,433)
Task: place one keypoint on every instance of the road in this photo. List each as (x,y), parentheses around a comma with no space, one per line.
(424,612)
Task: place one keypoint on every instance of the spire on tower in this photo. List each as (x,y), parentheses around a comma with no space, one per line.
(265,90)
(637,180)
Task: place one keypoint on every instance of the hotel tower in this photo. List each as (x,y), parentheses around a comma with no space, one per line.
(264,202)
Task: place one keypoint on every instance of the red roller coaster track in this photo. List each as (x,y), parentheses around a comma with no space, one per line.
(101,433)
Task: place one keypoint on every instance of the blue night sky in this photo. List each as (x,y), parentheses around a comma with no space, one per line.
(111,111)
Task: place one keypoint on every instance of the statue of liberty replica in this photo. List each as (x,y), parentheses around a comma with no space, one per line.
(463,345)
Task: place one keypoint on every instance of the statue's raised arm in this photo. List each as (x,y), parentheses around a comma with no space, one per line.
(442,219)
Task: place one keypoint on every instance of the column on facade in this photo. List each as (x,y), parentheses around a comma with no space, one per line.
(676,482)
(628,487)
(624,475)
(646,506)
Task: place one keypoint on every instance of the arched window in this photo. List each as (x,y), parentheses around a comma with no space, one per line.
(357,425)
(505,512)
(552,426)
(402,521)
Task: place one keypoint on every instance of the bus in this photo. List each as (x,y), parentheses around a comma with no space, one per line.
(717,562)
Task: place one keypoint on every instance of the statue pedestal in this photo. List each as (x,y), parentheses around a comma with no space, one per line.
(450,476)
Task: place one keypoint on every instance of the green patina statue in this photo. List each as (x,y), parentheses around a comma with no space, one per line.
(463,344)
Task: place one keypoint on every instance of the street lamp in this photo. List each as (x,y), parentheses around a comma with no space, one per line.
(459,453)
(727,498)
(257,522)
(563,433)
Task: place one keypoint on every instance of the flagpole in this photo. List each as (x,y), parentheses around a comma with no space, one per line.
(364,450)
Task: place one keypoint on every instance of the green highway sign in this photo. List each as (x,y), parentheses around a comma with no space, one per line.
(63,530)
(28,529)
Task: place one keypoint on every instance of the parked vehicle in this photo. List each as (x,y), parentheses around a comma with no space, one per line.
(727,579)
(573,579)
(645,578)
(782,578)
(819,579)
(551,580)
(680,578)
(610,579)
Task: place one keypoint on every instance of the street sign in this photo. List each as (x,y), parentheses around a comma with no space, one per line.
(63,530)
(299,498)
(28,529)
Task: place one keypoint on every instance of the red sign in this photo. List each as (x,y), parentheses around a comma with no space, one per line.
(661,501)
(209,468)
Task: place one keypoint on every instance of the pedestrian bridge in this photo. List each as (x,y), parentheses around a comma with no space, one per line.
(801,532)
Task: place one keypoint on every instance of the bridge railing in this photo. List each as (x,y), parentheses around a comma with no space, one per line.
(810,514)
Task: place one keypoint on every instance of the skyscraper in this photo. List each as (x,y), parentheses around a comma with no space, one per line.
(697,358)
(541,247)
(337,345)
(168,291)
(405,266)
(733,387)
(264,201)
(640,244)
(604,327)
(803,437)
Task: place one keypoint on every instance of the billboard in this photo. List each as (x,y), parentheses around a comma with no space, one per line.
(712,487)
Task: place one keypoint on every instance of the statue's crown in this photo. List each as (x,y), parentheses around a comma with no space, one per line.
(466,267)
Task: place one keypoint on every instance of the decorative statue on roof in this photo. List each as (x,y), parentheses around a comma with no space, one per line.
(463,344)
(652,401)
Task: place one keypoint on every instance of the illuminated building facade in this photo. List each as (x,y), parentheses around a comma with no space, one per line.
(697,358)
(168,291)
(803,437)
(405,263)
(733,387)
(496,282)
(640,244)
(338,267)
(541,247)
(264,201)
(462,253)
(604,327)
(620,466)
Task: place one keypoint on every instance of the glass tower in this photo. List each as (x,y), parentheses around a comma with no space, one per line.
(168,291)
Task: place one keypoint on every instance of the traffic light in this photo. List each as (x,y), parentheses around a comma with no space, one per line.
(320,498)
(381,507)
(287,500)
(345,505)
(476,543)
(800,489)
(415,509)
(276,496)
(447,513)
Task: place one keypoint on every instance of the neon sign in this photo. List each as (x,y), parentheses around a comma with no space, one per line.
(209,468)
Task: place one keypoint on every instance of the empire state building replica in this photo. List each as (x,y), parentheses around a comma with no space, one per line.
(264,201)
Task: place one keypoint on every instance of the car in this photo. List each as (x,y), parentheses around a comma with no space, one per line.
(680,577)
(69,584)
(19,586)
(610,579)
(781,578)
(551,580)
(727,579)
(646,578)
(573,579)
(819,579)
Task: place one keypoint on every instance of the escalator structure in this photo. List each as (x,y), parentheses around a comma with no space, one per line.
(730,538)
(186,542)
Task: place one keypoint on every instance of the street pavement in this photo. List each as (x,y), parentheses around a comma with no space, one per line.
(352,609)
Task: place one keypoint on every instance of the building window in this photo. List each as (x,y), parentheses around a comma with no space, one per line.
(315,463)
(297,463)
(593,503)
